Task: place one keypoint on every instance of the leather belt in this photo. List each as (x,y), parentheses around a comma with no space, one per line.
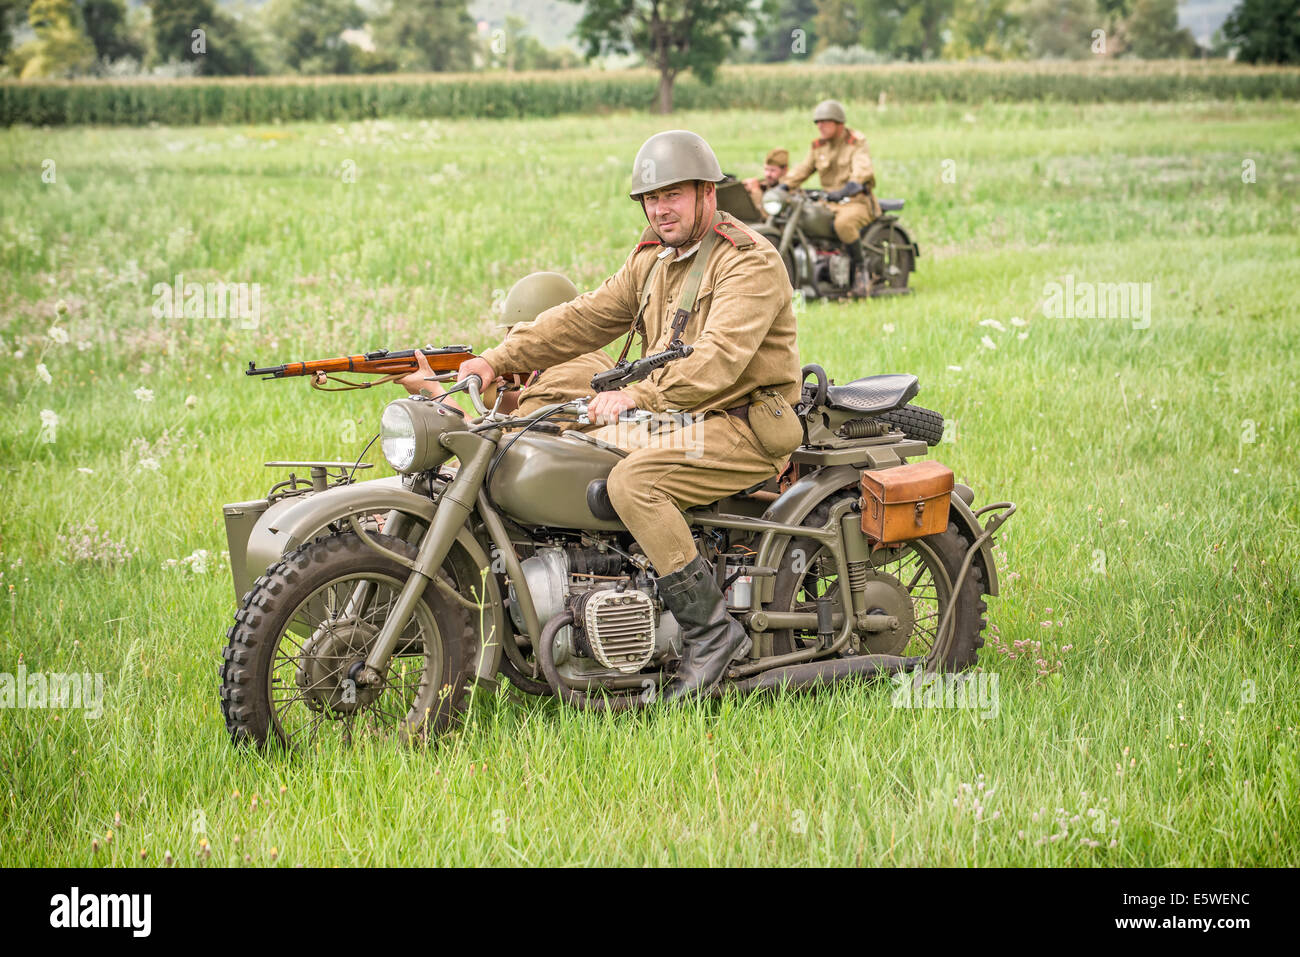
(741,412)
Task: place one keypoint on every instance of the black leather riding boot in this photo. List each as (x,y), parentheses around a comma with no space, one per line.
(710,637)
(861,288)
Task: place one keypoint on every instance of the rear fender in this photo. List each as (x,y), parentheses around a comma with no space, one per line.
(801,498)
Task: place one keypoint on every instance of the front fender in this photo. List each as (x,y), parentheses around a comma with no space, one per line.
(799,500)
(294,521)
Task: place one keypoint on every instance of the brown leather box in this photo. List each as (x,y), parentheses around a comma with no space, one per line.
(910,501)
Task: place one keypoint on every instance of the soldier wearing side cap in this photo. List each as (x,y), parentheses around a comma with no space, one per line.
(774,167)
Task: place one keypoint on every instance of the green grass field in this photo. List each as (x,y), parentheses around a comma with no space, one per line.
(1155,468)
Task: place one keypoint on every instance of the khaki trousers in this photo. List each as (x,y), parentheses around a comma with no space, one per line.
(708,459)
(853,216)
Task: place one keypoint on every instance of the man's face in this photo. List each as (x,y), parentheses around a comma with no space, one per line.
(671,212)
(773,173)
(829,129)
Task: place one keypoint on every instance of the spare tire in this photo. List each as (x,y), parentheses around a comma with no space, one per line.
(923,425)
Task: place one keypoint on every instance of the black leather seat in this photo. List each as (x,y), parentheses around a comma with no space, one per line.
(873,394)
(891,205)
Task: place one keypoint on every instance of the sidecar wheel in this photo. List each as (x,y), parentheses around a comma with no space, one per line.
(300,631)
(912,582)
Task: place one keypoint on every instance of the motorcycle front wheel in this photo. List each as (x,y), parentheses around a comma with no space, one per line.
(293,653)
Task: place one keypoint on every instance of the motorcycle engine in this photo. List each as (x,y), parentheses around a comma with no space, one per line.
(838,265)
(620,626)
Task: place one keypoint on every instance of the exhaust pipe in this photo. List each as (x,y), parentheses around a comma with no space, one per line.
(820,674)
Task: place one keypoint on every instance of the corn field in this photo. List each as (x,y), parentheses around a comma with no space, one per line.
(520,95)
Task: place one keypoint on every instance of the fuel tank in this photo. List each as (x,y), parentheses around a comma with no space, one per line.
(543,480)
(817,220)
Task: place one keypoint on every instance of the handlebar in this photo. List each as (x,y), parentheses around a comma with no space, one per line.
(472,386)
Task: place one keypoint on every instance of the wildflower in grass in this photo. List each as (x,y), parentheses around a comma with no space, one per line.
(993,324)
(44,373)
(954,368)
(1017,321)
(86,543)
(1022,335)
(191,401)
(49,423)
(85,471)
(149,465)
(58,335)
(889,328)
(83,345)
(143,394)
(988,343)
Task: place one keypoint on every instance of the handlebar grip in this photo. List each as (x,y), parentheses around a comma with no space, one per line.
(473,386)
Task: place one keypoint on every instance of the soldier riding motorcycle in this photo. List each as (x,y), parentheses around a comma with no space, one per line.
(838,241)
(663,557)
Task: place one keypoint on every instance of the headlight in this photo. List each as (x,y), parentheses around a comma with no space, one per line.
(772,202)
(397,436)
(410,430)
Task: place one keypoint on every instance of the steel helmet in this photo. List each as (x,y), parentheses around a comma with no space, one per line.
(534,294)
(829,110)
(672,157)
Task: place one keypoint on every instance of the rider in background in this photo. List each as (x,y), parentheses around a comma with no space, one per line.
(840,158)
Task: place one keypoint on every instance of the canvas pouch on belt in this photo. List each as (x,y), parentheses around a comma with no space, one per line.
(905,502)
(774,422)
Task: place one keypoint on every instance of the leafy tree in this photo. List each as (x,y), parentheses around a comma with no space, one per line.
(106,26)
(60,47)
(514,48)
(221,48)
(1060,28)
(839,22)
(906,29)
(1264,31)
(672,35)
(427,35)
(984,28)
(782,40)
(12,13)
(916,27)
(308,33)
(1153,33)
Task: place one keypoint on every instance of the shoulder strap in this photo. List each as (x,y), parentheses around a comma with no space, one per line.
(690,290)
(638,324)
(692,287)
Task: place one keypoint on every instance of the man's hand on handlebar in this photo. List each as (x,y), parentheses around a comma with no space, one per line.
(605,408)
(478,366)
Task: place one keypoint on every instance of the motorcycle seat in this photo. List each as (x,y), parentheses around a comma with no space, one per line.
(891,205)
(874,393)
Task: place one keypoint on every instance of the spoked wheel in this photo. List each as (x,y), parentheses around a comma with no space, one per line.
(890,256)
(912,584)
(301,637)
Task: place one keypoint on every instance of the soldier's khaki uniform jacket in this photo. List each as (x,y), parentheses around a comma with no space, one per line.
(742,326)
(836,162)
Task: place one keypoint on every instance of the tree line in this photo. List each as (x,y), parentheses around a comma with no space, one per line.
(61,38)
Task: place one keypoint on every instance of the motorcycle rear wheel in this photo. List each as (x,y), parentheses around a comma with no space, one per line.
(890,260)
(914,580)
(287,675)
